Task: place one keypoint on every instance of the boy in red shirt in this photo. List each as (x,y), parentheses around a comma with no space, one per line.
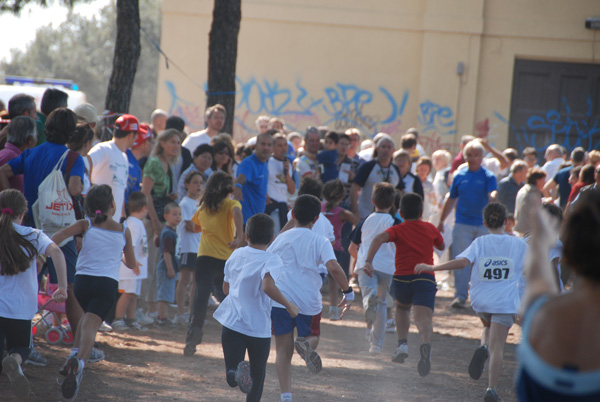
(414,240)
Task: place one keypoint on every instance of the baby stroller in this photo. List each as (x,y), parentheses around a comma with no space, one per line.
(48,308)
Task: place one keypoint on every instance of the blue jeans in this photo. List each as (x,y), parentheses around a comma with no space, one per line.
(462,237)
(378,284)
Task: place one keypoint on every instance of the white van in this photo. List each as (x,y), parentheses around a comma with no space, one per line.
(36,88)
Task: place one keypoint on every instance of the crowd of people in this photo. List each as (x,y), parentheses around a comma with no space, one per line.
(125,219)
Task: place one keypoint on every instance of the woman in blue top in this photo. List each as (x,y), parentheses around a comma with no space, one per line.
(559,355)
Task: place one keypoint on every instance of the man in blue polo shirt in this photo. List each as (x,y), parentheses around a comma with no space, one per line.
(470,192)
(253,178)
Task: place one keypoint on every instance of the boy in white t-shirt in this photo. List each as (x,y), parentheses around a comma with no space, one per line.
(375,285)
(498,261)
(246,311)
(130,281)
(302,251)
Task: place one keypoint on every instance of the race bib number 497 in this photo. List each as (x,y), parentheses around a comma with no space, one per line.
(495,269)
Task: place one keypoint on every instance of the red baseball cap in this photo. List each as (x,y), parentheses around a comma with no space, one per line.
(144,132)
(127,122)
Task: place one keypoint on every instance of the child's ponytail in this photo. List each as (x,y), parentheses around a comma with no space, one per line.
(97,202)
(16,252)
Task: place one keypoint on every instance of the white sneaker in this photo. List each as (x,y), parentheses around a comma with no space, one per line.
(375,350)
(400,354)
(143,319)
(105,327)
(334,314)
(390,326)
(179,319)
(120,325)
(18,381)
(137,327)
(96,355)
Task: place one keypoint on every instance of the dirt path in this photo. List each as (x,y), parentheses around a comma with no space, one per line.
(151,367)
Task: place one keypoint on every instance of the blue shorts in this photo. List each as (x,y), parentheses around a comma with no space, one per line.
(70,252)
(418,290)
(165,285)
(282,323)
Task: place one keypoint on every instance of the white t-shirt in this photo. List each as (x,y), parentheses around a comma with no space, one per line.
(497,269)
(375,224)
(324,228)
(366,154)
(277,187)
(101,252)
(247,309)
(193,140)
(551,168)
(302,251)
(110,166)
(139,241)
(18,293)
(187,242)
(305,166)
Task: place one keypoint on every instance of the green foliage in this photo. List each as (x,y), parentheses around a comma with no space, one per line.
(82,50)
(15,6)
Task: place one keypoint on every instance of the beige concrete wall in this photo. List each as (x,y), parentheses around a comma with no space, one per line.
(383,65)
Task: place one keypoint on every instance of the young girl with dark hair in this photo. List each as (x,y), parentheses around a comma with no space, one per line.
(105,242)
(19,247)
(497,267)
(220,220)
(334,193)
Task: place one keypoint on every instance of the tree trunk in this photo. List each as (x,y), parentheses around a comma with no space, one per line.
(222,57)
(127,53)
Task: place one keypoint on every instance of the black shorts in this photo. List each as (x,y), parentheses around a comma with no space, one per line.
(188,260)
(17,334)
(96,294)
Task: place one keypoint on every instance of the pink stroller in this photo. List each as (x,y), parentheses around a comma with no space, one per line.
(48,308)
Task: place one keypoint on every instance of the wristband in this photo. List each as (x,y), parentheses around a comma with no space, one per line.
(347,291)
(238,185)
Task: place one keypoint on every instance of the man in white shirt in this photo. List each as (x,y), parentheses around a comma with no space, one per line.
(108,161)
(280,184)
(215,120)
(307,164)
(554,158)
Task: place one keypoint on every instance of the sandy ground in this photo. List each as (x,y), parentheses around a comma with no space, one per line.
(150,366)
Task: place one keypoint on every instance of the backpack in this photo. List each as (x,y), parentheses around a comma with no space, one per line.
(54,209)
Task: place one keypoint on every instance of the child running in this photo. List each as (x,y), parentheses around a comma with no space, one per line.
(246,312)
(334,193)
(188,243)
(105,242)
(19,247)
(375,281)
(301,251)
(414,240)
(498,261)
(168,266)
(220,220)
(130,281)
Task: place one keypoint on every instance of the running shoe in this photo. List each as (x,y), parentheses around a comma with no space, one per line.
(400,354)
(136,326)
(375,350)
(142,318)
(424,365)
(334,314)
(371,309)
(390,326)
(491,395)
(120,325)
(312,358)
(478,362)
(105,327)
(70,386)
(193,338)
(242,377)
(36,358)
(458,303)
(18,381)
(96,355)
(181,320)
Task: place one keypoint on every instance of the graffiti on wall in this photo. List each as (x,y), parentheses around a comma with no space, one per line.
(555,127)
(339,106)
